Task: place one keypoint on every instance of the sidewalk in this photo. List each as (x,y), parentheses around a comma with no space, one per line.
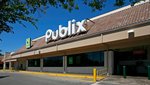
(119,80)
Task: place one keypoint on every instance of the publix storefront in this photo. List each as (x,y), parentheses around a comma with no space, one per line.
(109,41)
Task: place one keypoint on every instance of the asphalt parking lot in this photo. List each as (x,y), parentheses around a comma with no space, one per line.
(16,78)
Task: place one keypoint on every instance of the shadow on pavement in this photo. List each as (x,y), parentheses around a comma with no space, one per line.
(3,77)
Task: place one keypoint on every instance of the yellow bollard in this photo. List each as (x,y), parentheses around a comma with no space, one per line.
(94,75)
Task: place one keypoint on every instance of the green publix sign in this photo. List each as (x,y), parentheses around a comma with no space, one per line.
(28,43)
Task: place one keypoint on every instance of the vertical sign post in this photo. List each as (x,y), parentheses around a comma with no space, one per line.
(148,72)
(124,72)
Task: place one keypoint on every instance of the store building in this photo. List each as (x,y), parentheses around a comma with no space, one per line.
(8,62)
(1,63)
(112,40)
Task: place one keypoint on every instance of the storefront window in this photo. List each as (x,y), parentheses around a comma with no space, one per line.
(53,61)
(34,63)
(70,60)
(86,59)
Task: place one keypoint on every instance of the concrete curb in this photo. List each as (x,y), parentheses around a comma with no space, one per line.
(81,76)
(63,75)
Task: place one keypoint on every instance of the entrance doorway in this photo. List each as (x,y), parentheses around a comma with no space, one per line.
(135,60)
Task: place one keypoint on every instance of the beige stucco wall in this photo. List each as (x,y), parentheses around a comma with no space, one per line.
(115,40)
(85,70)
(142,31)
(81,43)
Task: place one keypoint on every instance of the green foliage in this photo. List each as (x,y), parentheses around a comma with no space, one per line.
(119,2)
(1,53)
(12,11)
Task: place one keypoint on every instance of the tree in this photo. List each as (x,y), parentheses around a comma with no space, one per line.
(12,11)
(1,53)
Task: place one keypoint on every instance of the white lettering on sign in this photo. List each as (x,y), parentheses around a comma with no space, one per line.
(72,29)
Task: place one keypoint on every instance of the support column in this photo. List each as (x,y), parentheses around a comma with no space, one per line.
(65,64)
(148,52)
(41,64)
(26,64)
(106,59)
(10,68)
(109,61)
(17,64)
(4,63)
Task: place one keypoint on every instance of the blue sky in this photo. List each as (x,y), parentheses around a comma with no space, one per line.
(51,20)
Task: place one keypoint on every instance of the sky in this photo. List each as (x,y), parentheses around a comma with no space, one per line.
(50,20)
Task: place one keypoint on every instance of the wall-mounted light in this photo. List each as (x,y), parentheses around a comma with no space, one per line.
(131,34)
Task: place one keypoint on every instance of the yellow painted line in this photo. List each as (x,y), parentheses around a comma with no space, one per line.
(7,70)
(63,75)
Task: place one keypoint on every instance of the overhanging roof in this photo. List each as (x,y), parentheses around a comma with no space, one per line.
(113,22)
